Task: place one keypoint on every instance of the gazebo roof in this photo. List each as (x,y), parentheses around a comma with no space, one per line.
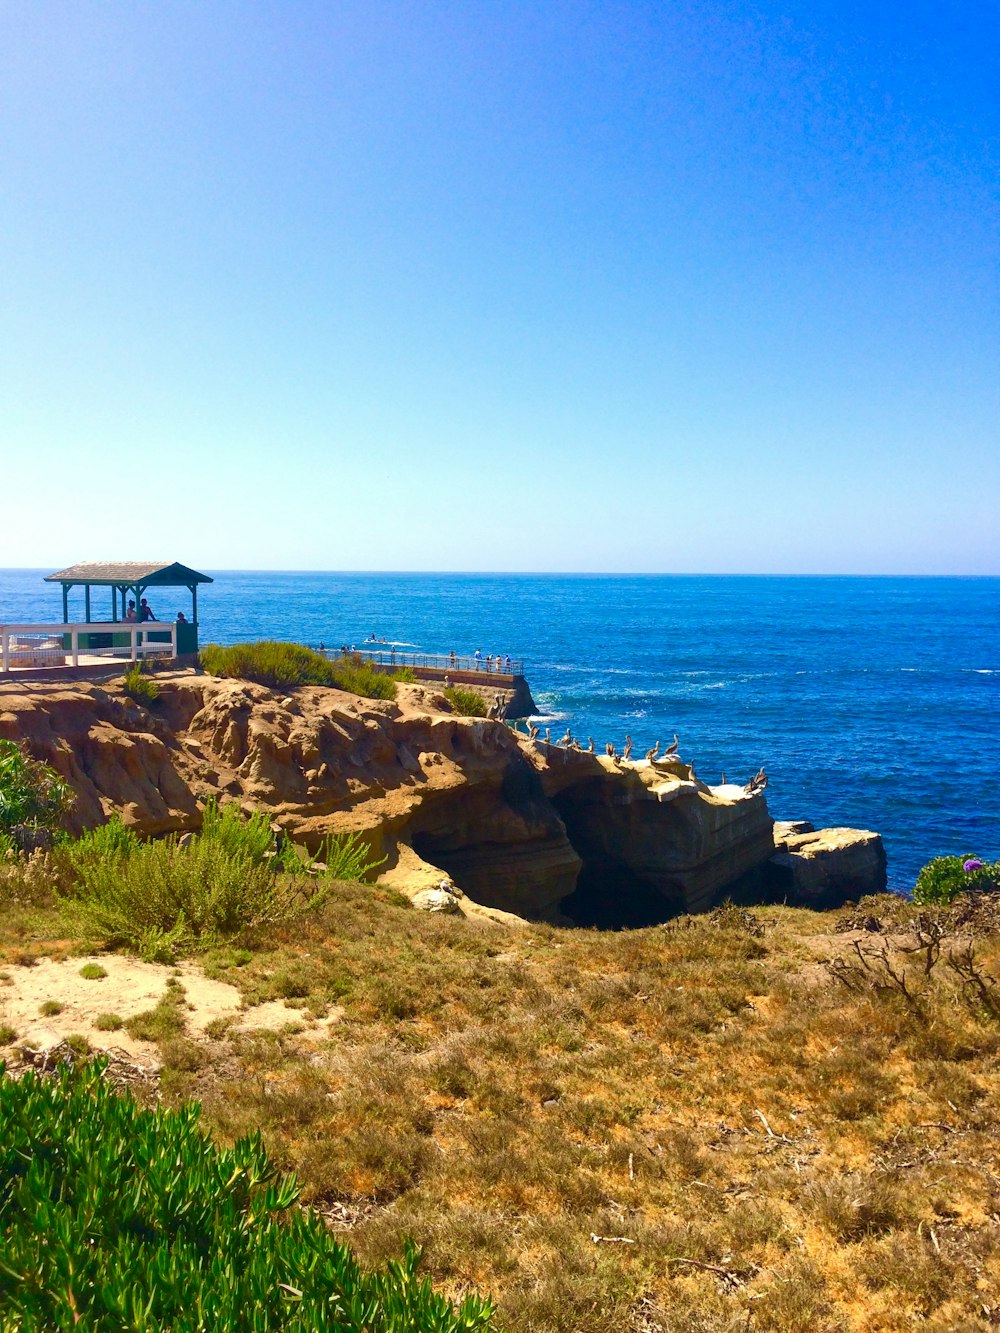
(151,574)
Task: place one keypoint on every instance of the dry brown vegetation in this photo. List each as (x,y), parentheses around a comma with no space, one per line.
(737,1121)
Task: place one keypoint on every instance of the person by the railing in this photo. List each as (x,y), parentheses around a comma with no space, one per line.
(130,614)
(145,610)
(181,618)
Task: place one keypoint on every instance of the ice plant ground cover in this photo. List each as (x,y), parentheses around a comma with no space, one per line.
(117,1217)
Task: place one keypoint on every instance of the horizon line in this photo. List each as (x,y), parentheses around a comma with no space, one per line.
(567,573)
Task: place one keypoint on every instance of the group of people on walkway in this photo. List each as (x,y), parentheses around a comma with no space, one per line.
(491,663)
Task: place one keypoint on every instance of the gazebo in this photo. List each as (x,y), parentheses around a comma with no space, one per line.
(131,578)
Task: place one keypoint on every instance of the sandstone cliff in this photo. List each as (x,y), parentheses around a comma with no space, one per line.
(516,825)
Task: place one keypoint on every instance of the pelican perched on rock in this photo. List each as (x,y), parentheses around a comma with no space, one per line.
(651,754)
(672,748)
(724,782)
(548,735)
(627,752)
(567,738)
(609,749)
(590,746)
(757,783)
(532,731)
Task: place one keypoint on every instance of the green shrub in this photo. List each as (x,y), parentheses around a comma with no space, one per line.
(93,972)
(944,878)
(167,1018)
(31,793)
(107,842)
(108,1022)
(159,897)
(123,1218)
(357,675)
(140,686)
(347,856)
(237,834)
(163,897)
(282,666)
(404,676)
(467,703)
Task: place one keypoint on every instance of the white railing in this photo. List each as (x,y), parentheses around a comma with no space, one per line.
(387,655)
(47,646)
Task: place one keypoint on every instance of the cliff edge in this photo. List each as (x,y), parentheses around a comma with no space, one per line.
(515,825)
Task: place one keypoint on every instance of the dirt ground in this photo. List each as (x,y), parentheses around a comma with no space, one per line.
(129,987)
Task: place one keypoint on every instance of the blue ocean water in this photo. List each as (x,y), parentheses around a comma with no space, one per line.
(870,702)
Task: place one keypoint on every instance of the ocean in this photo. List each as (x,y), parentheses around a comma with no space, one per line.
(870,702)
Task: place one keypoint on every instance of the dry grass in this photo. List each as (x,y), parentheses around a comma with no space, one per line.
(706,1126)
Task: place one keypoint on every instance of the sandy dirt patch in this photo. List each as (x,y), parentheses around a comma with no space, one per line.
(130,987)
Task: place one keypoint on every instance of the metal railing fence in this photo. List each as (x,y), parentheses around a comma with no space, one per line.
(387,655)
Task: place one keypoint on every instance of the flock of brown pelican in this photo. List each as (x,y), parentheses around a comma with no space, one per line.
(665,762)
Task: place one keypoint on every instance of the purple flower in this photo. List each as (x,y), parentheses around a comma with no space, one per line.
(971,864)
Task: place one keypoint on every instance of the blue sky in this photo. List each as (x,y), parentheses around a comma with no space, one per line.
(519,286)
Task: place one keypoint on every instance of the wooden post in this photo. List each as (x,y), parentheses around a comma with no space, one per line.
(65,588)
(86,602)
(5,647)
(74,644)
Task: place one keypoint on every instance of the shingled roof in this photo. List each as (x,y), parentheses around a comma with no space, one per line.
(151,574)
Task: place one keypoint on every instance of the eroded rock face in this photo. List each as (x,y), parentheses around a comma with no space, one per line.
(826,867)
(515,825)
(681,840)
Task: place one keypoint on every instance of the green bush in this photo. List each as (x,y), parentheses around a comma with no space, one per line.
(467,703)
(236,834)
(944,878)
(282,666)
(139,686)
(347,856)
(164,897)
(124,1219)
(356,674)
(107,842)
(31,793)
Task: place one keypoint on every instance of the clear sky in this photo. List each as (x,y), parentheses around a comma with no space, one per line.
(694,286)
